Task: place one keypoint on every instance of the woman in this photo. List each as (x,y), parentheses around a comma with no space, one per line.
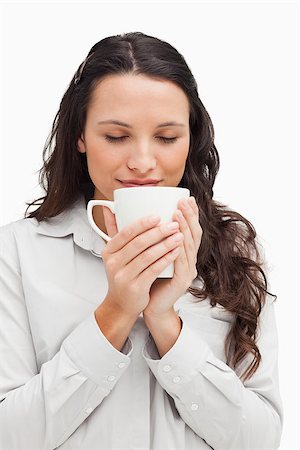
(97,353)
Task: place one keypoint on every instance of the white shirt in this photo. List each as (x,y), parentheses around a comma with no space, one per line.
(64,385)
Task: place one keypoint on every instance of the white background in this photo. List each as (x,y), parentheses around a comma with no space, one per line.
(244,58)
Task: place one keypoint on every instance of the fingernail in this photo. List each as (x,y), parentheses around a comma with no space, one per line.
(179,214)
(191,201)
(172,225)
(177,237)
(185,203)
(153,219)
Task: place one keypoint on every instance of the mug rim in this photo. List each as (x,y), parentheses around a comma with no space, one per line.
(151,187)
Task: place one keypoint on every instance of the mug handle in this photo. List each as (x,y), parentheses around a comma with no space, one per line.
(90,206)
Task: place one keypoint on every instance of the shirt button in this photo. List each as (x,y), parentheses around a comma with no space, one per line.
(111,378)
(194,406)
(167,368)
(122,364)
(88,410)
(176,379)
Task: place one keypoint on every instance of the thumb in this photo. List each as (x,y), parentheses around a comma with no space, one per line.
(110,222)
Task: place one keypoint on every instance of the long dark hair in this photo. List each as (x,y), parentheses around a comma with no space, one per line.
(228,259)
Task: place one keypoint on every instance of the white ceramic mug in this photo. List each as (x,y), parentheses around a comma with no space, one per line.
(133,203)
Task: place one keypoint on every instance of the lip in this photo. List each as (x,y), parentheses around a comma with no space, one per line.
(135,183)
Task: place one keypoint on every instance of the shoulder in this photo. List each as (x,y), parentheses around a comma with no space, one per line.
(18,227)
(14,233)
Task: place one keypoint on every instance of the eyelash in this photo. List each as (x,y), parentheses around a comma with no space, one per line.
(122,138)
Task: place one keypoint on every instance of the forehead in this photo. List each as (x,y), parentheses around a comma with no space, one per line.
(119,92)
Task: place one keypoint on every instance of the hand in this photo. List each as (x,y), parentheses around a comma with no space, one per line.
(134,258)
(165,292)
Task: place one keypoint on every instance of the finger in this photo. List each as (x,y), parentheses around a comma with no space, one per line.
(193,205)
(184,225)
(188,242)
(139,249)
(181,264)
(191,215)
(133,231)
(149,256)
(110,222)
(186,261)
(190,245)
(147,266)
(152,272)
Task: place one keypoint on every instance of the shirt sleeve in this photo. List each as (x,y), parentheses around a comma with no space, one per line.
(39,411)
(209,395)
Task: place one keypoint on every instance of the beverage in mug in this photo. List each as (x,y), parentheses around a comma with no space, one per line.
(133,203)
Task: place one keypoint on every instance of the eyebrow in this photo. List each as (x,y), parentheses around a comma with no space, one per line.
(165,124)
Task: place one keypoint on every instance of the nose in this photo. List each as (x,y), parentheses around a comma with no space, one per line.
(141,158)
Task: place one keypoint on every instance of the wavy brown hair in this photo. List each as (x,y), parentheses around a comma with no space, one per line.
(228,259)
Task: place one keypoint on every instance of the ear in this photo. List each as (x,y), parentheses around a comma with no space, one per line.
(81,145)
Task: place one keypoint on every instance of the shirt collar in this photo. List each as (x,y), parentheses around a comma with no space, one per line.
(74,221)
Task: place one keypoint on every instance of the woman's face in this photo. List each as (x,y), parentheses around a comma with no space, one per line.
(138,150)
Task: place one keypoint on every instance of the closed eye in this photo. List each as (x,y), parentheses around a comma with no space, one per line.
(122,138)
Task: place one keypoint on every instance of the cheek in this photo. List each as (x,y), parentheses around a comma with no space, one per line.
(102,163)
(98,166)
(175,161)
(97,155)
